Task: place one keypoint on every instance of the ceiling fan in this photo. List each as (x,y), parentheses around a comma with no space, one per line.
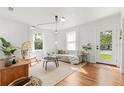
(57,20)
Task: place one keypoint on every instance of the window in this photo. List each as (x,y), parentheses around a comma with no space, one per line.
(38,41)
(71,40)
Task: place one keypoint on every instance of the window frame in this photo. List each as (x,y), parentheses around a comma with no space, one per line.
(71,42)
(42,38)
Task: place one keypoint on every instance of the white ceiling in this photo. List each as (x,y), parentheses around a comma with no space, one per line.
(74,16)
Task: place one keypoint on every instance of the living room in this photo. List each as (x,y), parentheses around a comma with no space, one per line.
(61,41)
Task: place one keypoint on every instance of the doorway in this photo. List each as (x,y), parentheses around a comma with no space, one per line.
(106,46)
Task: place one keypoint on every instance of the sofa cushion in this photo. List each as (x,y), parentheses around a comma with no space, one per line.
(61,52)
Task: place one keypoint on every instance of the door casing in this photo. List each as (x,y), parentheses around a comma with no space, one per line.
(112,28)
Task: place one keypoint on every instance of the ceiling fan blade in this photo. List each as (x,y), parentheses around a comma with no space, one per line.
(46,23)
(32,27)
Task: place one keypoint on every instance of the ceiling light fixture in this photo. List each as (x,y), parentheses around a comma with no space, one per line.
(56,21)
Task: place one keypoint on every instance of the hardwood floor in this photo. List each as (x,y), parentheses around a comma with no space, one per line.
(94,75)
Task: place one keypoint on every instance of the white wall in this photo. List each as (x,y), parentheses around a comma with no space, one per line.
(86,33)
(122,42)
(14,32)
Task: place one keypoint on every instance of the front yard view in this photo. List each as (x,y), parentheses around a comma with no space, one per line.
(105,56)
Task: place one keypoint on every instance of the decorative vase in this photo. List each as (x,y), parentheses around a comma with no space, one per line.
(8,62)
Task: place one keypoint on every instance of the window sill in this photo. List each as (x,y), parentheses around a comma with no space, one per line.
(38,50)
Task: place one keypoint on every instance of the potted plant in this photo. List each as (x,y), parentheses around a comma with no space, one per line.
(8,51)
(86,47)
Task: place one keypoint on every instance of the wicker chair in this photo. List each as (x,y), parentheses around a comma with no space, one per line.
(25,47)
(26,51)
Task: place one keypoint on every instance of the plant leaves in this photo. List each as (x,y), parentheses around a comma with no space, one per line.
(6,47)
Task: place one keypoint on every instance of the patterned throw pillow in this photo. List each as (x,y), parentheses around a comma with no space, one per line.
(61,52)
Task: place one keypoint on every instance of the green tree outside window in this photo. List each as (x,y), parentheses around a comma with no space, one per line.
(38,42)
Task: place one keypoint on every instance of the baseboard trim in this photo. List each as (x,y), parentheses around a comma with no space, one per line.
(106,64)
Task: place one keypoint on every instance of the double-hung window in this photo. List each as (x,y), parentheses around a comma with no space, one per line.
(38,41)
(71,40)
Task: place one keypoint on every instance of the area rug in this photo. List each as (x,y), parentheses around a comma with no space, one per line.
(52,75)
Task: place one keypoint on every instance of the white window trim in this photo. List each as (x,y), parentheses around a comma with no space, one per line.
(74,42)
(34,39)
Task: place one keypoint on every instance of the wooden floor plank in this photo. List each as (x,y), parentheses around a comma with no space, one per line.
(94,75)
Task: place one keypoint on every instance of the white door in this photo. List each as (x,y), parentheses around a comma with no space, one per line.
(106,45)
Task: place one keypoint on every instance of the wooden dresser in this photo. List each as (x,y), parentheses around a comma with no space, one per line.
(11,73)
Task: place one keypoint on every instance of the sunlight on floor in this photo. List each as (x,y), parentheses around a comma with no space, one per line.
(83,71)
(74,68)
(79,70)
